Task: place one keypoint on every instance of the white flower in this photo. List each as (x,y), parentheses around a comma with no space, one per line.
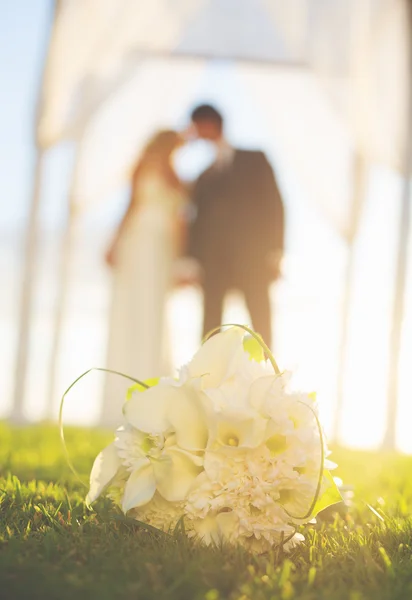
(262,461)
(217,360)
(160,447)
(159,513)
(227,446)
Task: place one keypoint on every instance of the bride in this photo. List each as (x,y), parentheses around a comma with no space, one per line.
(141,255)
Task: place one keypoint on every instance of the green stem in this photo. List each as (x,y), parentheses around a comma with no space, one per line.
(320,478)
(61,425)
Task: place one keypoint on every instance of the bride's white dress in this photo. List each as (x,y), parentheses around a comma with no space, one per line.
(142,276)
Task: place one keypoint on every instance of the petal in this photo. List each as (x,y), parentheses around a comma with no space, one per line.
(147,410)
(227,523)
(207,529)
(104,470)
(261,388)
(233,431)
(174,474)
(140,486)
(232,395)
(187,418)
(196,459)
(216,360)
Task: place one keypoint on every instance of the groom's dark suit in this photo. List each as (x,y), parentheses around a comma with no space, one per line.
(239,227)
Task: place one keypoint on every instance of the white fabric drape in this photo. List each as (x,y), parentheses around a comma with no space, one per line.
(118,131)
(311,138)
(98,81)
(95,47)
(381,81)
(334,83)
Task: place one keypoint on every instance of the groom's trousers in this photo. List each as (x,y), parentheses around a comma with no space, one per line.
(256,294)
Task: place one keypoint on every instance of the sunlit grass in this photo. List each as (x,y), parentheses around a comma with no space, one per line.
(51,546)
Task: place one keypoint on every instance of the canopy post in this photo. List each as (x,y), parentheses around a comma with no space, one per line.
(31,250)
(398,311)
(359,191)
(63,283)
(389,441)
(27,289)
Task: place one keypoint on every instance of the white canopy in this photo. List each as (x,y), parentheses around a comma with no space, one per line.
(117,69)
(328,78)
(380,80)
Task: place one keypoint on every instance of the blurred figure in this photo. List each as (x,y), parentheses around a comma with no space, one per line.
(237,235)
(142,254)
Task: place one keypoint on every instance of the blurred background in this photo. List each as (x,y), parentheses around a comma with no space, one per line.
(323,86)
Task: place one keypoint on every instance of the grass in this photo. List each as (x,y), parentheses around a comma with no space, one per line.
(51,546)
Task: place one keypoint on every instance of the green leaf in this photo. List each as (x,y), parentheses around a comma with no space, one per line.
(138,387)
(253,348)
(252,334)
(330,494)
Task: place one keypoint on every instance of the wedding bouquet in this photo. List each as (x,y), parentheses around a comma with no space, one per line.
(225,447)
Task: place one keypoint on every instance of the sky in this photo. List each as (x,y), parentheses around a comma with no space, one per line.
(24,26)
(308,300)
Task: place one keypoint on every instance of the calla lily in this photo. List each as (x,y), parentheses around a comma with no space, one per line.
(140,486)
(161,446)
(235,431)
(167,407)
(186,413)
(168,470)
(158,464)
(147,411)
(175,474)
(217,359)
(262,388)
(105,468)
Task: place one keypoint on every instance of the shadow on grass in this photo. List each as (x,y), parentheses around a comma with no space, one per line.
(51,546)
(109,559)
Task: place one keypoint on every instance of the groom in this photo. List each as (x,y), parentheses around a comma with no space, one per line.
(237,233)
